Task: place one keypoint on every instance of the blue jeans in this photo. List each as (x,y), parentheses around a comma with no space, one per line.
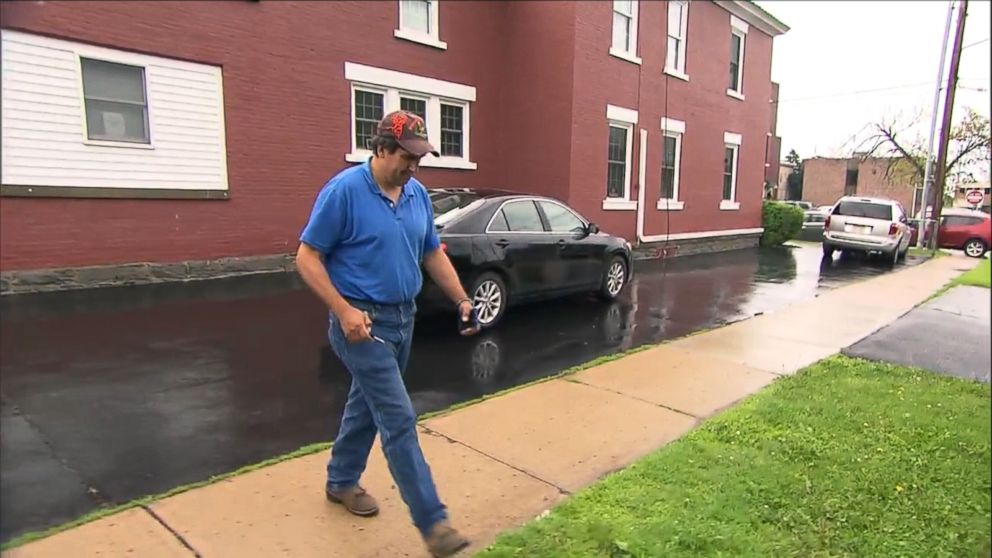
(378,401)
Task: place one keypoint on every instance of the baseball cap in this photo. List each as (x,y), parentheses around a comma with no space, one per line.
(409,130)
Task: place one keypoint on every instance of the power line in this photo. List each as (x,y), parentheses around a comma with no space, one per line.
(975,43)
(863,91)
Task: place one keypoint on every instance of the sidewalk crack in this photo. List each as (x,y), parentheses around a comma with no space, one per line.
(635,398)
(560,489)
(182,540)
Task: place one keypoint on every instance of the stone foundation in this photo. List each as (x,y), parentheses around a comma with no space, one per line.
(65,279)
(692,246)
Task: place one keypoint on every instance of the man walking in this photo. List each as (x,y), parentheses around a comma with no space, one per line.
(370,230)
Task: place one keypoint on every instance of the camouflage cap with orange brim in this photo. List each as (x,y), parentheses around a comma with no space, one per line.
(409,130)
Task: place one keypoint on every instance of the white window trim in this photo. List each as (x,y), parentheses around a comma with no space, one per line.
(626,118)
(628,55)
(393,85)
(739,27)
(675,129)
(732,141)
(683,32)
(123,58)
(431,39)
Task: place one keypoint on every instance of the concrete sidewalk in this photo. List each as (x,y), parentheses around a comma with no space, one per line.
(502,462)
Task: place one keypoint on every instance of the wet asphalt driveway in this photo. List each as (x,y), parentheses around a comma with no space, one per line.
(114,394)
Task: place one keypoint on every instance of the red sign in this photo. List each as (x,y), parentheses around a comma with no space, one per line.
(974,197)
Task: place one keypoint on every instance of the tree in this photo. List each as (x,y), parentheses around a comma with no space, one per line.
(968,149)
(794,182)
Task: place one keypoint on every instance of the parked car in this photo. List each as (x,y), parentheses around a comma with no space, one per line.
(870,225)
(814,219)
(510,248)
(960,229)
(805,206)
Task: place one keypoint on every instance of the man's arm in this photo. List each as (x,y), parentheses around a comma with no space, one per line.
(310,265)
(439,267)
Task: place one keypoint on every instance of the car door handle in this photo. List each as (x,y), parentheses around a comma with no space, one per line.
(502,243)
(561,244)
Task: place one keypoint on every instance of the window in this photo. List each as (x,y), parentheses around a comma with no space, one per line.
(669,167)
(419,23)
(561,219)
(368,113)
(616,183)
(729,169)
(498,223)
(618,157)
(116,104)
(444,106)
(416,106)
(738,34)
(851,182)
(451,130)
(678,18)
(731,157)
(864,209)
(625,30)
(522,216)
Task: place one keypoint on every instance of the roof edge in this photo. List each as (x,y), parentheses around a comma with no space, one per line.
(755,15)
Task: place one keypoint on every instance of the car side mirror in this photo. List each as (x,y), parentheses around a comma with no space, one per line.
(592,228)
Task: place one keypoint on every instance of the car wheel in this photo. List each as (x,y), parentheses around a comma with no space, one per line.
(614,279)
(489,296)
(828,251)
(974,248)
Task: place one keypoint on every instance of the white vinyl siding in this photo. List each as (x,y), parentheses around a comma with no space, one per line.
(46,141)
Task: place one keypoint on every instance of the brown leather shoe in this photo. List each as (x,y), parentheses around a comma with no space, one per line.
(355,500)
(444,541)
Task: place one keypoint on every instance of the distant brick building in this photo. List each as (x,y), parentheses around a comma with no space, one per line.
(825,180)
(171,132)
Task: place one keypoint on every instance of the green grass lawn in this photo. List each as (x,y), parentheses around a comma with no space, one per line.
(980,276)
(847,458)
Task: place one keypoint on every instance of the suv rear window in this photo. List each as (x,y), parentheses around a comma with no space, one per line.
(864,209)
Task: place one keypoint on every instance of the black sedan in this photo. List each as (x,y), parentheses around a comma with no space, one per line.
(510,248)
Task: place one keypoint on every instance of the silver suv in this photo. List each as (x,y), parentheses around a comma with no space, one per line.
(867,225)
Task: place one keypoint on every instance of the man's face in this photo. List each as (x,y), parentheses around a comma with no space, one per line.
(399,165)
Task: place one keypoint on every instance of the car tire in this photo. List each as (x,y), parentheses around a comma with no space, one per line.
(975,248)
(490,298)
(614,279)
(828,251)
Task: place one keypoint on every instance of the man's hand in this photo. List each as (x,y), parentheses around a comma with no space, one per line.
(465,312)
(357,325)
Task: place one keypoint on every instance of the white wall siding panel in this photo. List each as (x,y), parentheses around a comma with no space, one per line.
(44,141)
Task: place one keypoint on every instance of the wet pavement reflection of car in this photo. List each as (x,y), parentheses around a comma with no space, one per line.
(114,394)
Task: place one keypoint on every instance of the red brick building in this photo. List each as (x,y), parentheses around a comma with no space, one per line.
(171,132)
(826,180)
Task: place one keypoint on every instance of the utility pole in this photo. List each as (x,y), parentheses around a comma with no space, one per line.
(945,129)
(928,165)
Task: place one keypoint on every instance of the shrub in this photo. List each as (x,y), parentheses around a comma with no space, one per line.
(781,221)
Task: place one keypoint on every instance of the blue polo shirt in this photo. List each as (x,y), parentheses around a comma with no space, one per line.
(372,247)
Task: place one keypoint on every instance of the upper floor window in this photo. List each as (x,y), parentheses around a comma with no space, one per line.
(738,36)
(116,105)
(625,30)
(419,23)
(678,18)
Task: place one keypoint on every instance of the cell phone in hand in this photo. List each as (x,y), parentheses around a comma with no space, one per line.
(472,321)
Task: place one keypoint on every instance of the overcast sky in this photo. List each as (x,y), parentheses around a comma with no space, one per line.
(839,54)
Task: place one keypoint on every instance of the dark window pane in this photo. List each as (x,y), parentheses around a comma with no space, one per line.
(561,219)
(416,106)
(109,81)
(109,121)
(668,184)
(451,130)
(368,113)
(616,162)
(735,59)
(670,145)
(523,217)
(728,173)
(499,223)
(864,209)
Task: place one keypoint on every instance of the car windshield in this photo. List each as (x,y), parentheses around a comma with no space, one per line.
(449,206)
(864,209)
